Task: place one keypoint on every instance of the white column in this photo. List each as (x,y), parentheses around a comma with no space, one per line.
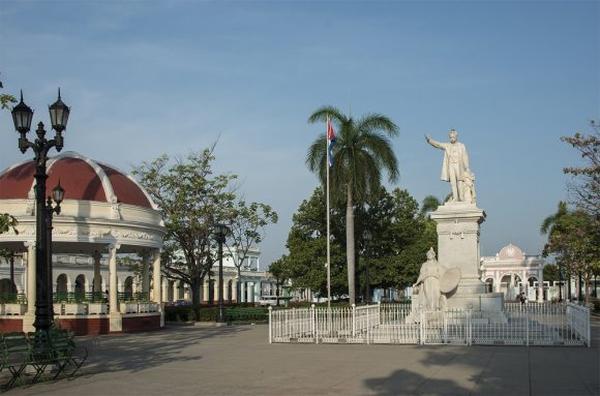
(242,291)
(257,291)
(216,289)
(146,273)
(97,282)
(251,292)
(156,277)
(29,317)
(234,290)
(165,288)
(115,318)
(205,290)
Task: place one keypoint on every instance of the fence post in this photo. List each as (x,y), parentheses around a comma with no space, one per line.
(353,320)
(313,316)
(470,327)
(270,324)
(378,312)
(421,330)
(527,327)
(589,330)
(368,324)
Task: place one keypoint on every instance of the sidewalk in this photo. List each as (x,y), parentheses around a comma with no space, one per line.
(187,360)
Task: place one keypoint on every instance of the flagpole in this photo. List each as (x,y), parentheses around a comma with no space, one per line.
(328,230)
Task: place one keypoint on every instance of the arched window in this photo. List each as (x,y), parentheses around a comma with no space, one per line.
(61,288)
(170,291)
(7,290)
(489,282)
(181,291)
(128,287)
(80,284)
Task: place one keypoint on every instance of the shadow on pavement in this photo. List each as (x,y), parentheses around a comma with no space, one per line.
(141,351)
(406,382)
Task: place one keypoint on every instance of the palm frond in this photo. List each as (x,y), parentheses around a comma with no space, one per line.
(327,111)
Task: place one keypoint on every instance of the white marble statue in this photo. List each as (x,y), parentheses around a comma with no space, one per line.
(455,168)
(428,283)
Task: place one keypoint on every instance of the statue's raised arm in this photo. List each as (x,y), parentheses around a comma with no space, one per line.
(455,168)
(434,143)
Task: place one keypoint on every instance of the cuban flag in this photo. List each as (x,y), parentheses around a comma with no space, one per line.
(330,142)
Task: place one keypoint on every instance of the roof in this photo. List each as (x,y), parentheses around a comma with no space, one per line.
(82,178)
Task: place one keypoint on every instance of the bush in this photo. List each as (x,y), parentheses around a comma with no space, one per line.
(209,314)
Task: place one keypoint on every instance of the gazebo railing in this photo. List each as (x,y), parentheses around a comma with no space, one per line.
(13,298)
(137,296)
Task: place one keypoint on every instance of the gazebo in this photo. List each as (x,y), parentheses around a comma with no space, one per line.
(105,214)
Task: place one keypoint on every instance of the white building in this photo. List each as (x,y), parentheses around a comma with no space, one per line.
(511,272)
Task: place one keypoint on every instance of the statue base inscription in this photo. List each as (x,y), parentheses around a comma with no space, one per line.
(458,228)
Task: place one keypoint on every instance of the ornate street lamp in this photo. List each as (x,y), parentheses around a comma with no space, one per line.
(22,116)
(221,232)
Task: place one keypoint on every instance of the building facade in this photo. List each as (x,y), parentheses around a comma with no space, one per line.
(511,272)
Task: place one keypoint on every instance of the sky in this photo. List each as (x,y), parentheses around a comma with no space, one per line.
(146,77)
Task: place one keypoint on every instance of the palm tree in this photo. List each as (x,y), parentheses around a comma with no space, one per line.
(362,150)
(430,203)
(551,220)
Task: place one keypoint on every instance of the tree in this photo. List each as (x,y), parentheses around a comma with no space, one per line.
(430,204)
(7,222)
(399,238)
(247,224)
(586,178)
(307,245)
(362,151)
(551,273)
(574,239)
(279,271)
(191,200)
(6,99)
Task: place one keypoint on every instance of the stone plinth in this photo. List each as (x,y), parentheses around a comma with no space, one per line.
(458,226)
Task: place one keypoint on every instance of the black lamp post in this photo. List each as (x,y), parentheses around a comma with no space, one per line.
(22,116)
(221,232)
(58,194)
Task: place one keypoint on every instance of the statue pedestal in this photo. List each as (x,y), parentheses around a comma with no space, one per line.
(458,227)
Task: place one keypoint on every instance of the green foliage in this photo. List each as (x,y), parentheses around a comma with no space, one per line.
(362,152)
(247,225)
(574,240)
(7,223)
(399,239)
(192,200)
(551,273)
(209,314)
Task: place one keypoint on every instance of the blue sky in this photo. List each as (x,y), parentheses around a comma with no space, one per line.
(145,78)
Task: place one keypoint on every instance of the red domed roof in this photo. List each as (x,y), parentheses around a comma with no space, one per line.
(82,178)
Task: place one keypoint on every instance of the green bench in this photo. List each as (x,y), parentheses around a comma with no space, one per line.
(20,351)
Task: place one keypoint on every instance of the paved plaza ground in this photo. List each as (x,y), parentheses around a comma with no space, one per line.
(237,360)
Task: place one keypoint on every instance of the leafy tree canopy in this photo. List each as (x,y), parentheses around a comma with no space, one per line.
(392,234)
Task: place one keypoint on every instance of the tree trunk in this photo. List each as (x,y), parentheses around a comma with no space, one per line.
(277,295)
(238,289)
(586,283)
(350,245)
(195,286)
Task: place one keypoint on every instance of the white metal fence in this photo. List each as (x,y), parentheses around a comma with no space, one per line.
(517,324)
